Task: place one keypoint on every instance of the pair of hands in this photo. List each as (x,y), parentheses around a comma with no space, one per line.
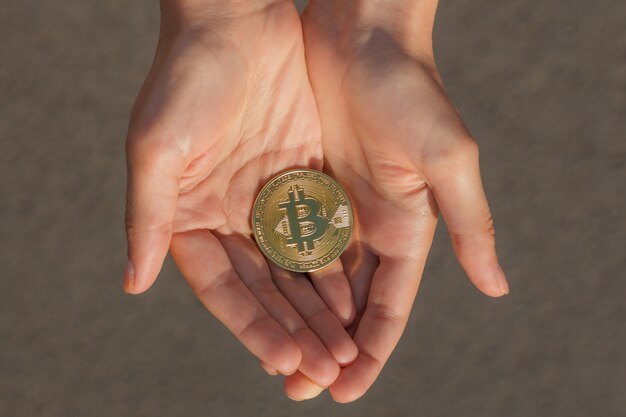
(231,101)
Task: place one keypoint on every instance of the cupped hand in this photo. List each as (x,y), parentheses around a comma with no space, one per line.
(393,139)
(227,105)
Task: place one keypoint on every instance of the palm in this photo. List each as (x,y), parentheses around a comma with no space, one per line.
(393,139)
(241,114)
(257,117)
(384,123)
(221,112)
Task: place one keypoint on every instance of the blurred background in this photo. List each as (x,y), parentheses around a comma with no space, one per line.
(541,85)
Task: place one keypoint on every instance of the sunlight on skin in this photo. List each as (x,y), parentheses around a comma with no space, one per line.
(227,105)
(397,144)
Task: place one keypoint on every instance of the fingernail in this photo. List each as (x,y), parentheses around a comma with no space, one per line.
(501,279)
(129,277)
(309,392)
(268,369)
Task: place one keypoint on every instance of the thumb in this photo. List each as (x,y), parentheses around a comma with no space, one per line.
(457,186)
(151,197)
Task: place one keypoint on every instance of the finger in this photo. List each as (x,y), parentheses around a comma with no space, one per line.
(269,369)
(299,388)
(317,363)
(393,290)
(332,285)
(302,295)
(152,193)
(459,192)
(359,265)
(211,275)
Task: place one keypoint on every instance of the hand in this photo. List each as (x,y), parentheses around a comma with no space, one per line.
(227,105)
(393,139)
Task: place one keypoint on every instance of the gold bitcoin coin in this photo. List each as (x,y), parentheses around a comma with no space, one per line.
(302,220)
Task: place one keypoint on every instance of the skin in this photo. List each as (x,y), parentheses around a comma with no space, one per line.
(227,105)
(392,137)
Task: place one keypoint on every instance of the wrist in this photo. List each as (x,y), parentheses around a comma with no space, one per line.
(409,22)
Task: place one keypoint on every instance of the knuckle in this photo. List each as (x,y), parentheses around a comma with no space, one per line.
(128,221)
(481,232)
(262,287)
(383,312)
(490,231)
(466,146)
(140,225)
(253,324)
(460,150)
(318,314)
(145,153)
(207,291)
(152,154)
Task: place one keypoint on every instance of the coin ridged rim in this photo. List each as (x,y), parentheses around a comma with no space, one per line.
(264,189)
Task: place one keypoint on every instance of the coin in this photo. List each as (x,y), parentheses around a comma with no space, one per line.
(302,220)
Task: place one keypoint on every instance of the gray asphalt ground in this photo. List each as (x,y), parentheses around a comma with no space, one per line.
(541,85)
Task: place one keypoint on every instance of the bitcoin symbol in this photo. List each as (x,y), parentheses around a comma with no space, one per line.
(305,223)
(293,221)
